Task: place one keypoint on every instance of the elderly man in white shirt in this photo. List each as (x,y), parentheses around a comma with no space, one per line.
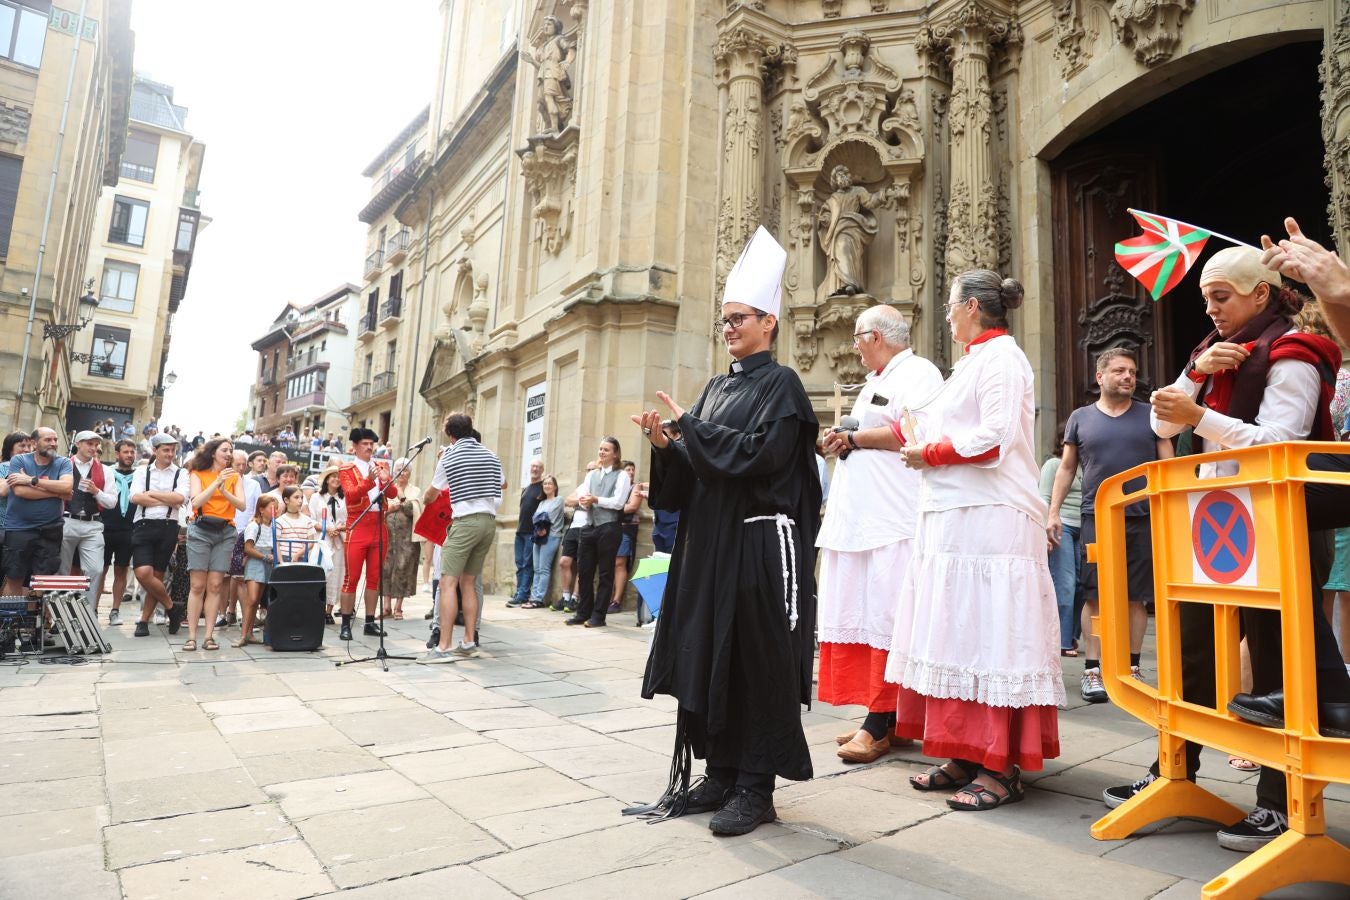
(867,535)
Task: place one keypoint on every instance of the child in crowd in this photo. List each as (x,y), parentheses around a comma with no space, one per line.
(296,531)
(258,559)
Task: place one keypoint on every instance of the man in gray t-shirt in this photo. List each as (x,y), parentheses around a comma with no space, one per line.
(1107,438)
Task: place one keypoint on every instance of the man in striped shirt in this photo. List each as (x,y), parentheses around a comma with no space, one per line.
(473,475)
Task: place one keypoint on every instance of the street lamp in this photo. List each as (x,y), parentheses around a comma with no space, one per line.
(88,304)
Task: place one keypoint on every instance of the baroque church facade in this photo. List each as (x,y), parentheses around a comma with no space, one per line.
(595,166)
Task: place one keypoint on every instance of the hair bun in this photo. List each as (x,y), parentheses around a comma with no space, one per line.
(1011,293)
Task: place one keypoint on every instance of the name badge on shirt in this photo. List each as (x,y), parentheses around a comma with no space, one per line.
(878,400)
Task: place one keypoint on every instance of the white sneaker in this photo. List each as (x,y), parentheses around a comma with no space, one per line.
(114,617)
(1092,689)
(160,617)
(467,651)
(436,655)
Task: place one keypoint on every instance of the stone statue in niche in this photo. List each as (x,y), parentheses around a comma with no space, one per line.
(846,225)
(552,62)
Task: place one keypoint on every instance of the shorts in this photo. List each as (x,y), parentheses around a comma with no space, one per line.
(153,542)
(466,548)
(237,558)
(210,551)
(259,570)
(1138,558)
(33,551)
(625,547)
(569,542)
(116,547)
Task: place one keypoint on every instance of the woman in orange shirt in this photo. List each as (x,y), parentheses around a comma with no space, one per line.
(216,494)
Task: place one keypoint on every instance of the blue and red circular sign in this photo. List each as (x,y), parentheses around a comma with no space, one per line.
(1223,536)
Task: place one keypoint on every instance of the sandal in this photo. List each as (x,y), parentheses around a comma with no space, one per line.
(210,644)
(1069,653)
(986,798)
(948,781)
(1243,765)
(189,645)
(244,641)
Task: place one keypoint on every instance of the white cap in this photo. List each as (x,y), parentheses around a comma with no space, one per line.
(757,278)
(87,436)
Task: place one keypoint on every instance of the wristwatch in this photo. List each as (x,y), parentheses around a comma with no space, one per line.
(34,481)
(1194,374)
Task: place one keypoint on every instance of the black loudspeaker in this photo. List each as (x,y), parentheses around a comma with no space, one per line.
(297,593)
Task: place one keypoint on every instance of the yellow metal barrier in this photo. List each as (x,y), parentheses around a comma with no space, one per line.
(1231,542)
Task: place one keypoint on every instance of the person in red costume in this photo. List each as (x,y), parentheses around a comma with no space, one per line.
(976,643)
(362,480)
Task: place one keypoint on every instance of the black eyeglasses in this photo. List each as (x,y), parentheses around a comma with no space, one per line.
(736,320)
(859,335)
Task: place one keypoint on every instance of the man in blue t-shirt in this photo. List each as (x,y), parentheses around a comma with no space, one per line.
(1108,437)
(38,486)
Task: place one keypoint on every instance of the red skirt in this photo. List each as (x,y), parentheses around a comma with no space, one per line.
(996,737)
(855,675)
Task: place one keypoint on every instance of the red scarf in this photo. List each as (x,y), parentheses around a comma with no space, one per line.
(987,335)
(1319,352)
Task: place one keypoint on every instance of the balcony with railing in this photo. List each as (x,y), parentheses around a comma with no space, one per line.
(316,399)
(397,246)
(382,383)
(391,311)
(374,263)
(268,378)
(360,392)
(367,324)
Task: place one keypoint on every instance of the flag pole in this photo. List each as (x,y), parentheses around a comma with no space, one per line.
(1231,240)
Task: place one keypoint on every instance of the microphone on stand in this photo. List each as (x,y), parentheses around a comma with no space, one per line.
(420,444)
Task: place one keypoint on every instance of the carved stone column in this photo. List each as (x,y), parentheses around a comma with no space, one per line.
(972,164)
(1336,120)
(740,57)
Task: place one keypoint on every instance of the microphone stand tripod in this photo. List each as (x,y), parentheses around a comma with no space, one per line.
(381,655)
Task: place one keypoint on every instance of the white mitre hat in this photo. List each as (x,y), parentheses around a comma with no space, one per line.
(757,278)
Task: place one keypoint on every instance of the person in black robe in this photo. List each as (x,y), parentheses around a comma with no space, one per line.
(735,639)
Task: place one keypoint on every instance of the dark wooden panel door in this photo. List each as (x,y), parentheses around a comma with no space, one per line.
(1097,304)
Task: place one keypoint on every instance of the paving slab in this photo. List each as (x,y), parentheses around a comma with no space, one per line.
(591,701)
(284,702)
(536,826)
(540,690)
(240,687)
(456,696)
(1012,864)
(194,834)
(159,695)
(170,755)
(52,830)
(157,796)
(388,701)
(556,737)
(140,723)
(24,762)
(276,768)
(287,740)
(315,796)
(369,729)
(459,762)
(614,758)
(497,673)
(825,876)
(452,881)
(333,685)
(610,721)
(80,871)
(660,739)
(34,725)
(503,793)
(375,843)
(496,719)
(267,721)
(836,810)
(280,871)
(23,798)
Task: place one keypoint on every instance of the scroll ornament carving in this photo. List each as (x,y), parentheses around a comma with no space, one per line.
(733,5)
(1108,325)
(14,123)
(1069,36)
(743,124)
(808,345)
(549,167)
(960,239)
(1335,72)
(975,14)
(743,51)
(799,235)
(1151,27)
(830,8)
(879,6)
(852,89)
(848,368)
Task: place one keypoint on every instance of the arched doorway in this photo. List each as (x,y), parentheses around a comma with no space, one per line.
(1234,151)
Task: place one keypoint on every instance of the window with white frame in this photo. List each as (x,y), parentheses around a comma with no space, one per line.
(118,293)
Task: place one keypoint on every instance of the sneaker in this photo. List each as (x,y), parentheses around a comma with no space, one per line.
(1114,796)
(1093,690)
(159,618)
(142,629)
(467,651)
(221,621)
(1135,672)
(514,602)
(744,812)
(707,795)
(126,597)
(434,656)
(114,617)
(1259,828)
(176,616)
(570,606)
(434,639)
(613,608)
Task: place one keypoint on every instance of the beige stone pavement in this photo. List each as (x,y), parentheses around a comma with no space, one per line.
(250,774)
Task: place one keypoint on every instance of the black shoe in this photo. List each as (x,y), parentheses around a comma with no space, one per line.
(743,813)
(707,795)
(575,620)
(570,606)
(328,619)
(1259,828)
(1114,796)
(435,638)
(595,623)
(142,629)
(372,630)
(514,602)
(176,616)
(346,633)
(1333,719)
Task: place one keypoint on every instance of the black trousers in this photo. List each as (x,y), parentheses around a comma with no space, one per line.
(597,547)
(1328,506)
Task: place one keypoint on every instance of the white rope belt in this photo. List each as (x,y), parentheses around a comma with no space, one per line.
(787,552)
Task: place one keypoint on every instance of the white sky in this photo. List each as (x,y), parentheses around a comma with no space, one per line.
(293,98)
